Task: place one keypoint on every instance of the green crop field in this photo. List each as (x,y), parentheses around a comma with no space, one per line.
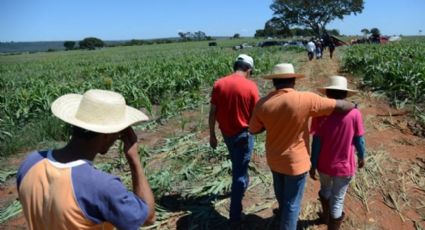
(396,69)
(169,77)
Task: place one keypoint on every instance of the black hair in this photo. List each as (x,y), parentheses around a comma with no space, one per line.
(83,133)
(283,82)
(241,65)
(336,94)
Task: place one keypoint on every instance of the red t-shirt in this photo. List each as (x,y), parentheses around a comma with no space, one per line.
(234,97)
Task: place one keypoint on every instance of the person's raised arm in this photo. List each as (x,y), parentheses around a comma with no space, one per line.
(140,184)
(211,124)
(343,106)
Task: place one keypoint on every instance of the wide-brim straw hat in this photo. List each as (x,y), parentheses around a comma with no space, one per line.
(338,83)
(97,110)
(282,71)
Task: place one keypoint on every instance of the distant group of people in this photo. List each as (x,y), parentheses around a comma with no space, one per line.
(315,47)
(60,189)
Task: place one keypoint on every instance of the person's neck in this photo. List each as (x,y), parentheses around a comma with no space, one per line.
(285,86)
(75,150)
(242,73)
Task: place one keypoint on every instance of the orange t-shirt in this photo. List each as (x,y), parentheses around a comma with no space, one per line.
(285,113)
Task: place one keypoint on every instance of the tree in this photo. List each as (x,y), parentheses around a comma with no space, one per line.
(91,43)
(375,34)
(236,36)
(365,32)
(69,45)
(313,14)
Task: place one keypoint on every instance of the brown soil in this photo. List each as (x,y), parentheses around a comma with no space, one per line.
(386,130)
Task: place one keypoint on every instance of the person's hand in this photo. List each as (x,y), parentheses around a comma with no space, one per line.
(360,163)
(213,141)
(129,139)
(313,174)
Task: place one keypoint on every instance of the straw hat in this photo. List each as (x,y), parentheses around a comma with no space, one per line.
(338,83)
(97,110)
(283,70)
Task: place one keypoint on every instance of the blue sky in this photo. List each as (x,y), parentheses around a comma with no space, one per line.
(50,20)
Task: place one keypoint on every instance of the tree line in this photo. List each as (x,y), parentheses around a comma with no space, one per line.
(89,43)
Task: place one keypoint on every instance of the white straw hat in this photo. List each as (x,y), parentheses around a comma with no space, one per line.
(338,83)
(97,110)
(283,70)
(247,59)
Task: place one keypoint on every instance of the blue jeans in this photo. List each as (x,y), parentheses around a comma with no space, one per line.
(240,149)
(289,192)
(334,188)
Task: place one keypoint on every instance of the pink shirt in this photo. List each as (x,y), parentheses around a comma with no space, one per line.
(336,133)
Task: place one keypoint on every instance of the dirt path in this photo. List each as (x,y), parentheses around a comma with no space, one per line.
(390,193)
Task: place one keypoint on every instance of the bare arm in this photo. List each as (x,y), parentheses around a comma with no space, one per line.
(140,184)
(211,124)
(343,106)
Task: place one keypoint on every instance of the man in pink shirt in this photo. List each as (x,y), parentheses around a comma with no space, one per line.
(334,139)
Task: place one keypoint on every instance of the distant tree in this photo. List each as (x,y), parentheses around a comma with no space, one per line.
(236,36)
(69,45)
(200,35)
(313,14)
(420,32)
(375,34)
(365,32)
(333,32)
(91,43)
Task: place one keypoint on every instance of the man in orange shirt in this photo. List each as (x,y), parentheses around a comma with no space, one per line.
(284,114)
(232,100)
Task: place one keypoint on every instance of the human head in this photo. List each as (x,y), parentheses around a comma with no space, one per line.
(337,88)
(283,71)
(243,63)
(99,111)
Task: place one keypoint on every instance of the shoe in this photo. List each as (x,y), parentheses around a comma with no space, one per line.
(324,216)
(335,224)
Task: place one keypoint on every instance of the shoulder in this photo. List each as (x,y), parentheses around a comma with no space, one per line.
(355,114)
(87,174)
(32,159)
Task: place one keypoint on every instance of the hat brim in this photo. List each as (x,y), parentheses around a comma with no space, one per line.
(283,76)
(350,92)
(65,108)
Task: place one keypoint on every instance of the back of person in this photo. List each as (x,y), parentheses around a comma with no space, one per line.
(235,97)
(74,196)
(337,157)
(285,114)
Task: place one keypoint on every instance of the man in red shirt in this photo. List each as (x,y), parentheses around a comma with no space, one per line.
(232,101)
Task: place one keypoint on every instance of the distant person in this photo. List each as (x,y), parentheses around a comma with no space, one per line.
(334,139)
(319,49)
(331,46)
(311,49)
(232,100)
(61,189)
(284,114)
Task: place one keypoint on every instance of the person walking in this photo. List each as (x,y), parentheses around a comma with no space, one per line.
(284,114)
(61,189)
(232,100)
(334,139)
(311,49)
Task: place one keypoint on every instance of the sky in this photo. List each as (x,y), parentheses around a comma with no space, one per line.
(59,20)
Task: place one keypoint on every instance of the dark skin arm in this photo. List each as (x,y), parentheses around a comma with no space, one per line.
(140,184)
(343,106)
(211,124)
